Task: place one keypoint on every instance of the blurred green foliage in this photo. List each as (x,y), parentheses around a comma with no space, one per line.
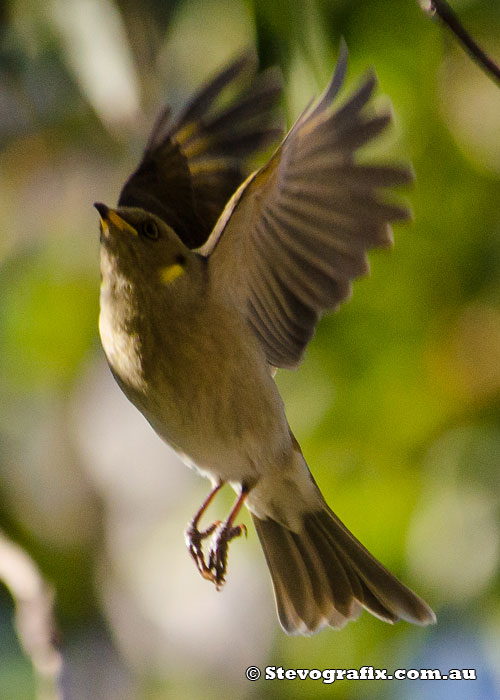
(397,406)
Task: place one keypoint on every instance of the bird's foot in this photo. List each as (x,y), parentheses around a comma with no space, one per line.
(217,560)
(215,570)
(194,540)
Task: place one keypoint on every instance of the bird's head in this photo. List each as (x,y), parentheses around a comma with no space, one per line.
(145,251)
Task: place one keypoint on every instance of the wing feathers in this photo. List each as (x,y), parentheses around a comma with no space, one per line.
(297,236)
(207,95)
(193,164)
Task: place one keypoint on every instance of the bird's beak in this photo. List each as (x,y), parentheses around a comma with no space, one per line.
(102,209)
(103,215)
(109,216)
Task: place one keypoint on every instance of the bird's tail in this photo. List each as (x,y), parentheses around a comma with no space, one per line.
(323,576)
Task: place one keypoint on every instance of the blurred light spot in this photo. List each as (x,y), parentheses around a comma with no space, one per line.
(470,104)
(450,458)
(454,541)
(308,395)
(465,360)
(130,466)
(301,86)
(477,339)
(97,49)
(42,485)
(189,56)
(48,318)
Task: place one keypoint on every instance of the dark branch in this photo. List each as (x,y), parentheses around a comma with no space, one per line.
(448,17)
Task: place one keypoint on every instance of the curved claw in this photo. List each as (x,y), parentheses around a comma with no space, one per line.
(217,561)
(194,539)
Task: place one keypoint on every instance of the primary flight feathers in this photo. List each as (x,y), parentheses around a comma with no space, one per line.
(297,232)
(193,163)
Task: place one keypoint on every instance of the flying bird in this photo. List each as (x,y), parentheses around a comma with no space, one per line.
(212,280)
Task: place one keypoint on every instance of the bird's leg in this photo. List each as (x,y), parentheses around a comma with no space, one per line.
(217,562)
(194,537)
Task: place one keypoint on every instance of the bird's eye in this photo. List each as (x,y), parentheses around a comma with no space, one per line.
(149,229)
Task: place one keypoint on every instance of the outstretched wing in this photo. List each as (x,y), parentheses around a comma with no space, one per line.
(192,164)
(296,233)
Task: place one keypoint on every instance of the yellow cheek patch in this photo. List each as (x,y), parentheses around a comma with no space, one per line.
(120,223)
(170,273)
(104,226)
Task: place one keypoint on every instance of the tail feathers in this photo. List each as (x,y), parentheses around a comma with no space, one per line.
(324,576)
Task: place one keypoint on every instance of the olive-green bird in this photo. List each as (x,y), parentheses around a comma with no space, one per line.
(203,298)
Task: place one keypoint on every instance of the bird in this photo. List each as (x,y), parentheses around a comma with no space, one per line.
(212,280)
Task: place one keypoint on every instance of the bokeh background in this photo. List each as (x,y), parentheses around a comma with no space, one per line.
(397,406)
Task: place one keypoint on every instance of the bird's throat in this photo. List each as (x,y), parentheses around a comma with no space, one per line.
(118,330)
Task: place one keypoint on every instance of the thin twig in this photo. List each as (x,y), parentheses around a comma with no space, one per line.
(34,616)
(446,14)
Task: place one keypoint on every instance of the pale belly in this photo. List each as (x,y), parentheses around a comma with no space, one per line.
(226,431)
(206,391)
